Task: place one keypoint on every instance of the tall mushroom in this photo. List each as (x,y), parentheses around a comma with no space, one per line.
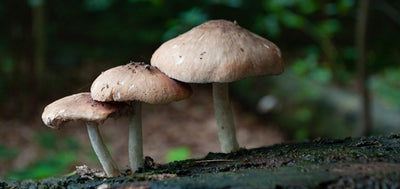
(219,52)
(81,107)
(137,82)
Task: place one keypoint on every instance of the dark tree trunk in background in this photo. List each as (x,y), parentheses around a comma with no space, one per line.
(37,59)
(39,41)
(20,54)
(366,119)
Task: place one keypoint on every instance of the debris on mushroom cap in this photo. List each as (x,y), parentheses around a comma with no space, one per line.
(79,107)
(138,81)
(217,51)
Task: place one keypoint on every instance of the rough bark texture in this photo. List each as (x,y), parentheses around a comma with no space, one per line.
(351,162)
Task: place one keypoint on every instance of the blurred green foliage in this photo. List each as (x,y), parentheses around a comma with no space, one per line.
(386,85)
(178,154)
(7,153)
(322,57)
(59,155)
(85,37)
(46,167)
(110,33)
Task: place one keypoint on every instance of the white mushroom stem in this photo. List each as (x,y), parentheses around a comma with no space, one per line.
(224,117)
(135,139)
(109,166)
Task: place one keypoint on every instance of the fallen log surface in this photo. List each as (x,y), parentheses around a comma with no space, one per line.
(351,162)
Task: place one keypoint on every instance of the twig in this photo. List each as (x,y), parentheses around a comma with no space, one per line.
(214,160)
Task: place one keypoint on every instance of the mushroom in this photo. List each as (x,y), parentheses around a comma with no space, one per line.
(81,107)
(137,82)
(219,52)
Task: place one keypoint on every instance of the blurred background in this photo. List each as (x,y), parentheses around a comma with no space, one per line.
(51,49)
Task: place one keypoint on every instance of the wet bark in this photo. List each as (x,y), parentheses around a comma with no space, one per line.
(351,162)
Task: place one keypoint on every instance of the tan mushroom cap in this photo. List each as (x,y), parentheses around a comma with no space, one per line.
(78,107)
(138,81)
(217,51)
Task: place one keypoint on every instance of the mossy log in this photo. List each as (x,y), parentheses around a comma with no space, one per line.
(321,163)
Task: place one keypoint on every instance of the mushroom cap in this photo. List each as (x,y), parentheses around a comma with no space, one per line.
(140,82)
(217,51)
(78,107)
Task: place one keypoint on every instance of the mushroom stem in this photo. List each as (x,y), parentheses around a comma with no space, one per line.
(135,139)
(109,166)
(224,117)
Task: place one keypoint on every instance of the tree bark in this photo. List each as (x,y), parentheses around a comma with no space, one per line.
(367,162)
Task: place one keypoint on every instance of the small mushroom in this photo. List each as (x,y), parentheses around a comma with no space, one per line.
(141,83)
(81,107)
(219,52)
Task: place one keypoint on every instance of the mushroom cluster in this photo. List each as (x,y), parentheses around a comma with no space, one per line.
(116,91)
(217,52)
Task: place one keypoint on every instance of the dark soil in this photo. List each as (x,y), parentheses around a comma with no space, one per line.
(369,162)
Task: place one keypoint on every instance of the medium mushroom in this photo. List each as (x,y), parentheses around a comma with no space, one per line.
(219,52)
(137,82)
(81,107)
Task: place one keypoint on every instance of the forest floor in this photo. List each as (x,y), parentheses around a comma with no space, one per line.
(367,162)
